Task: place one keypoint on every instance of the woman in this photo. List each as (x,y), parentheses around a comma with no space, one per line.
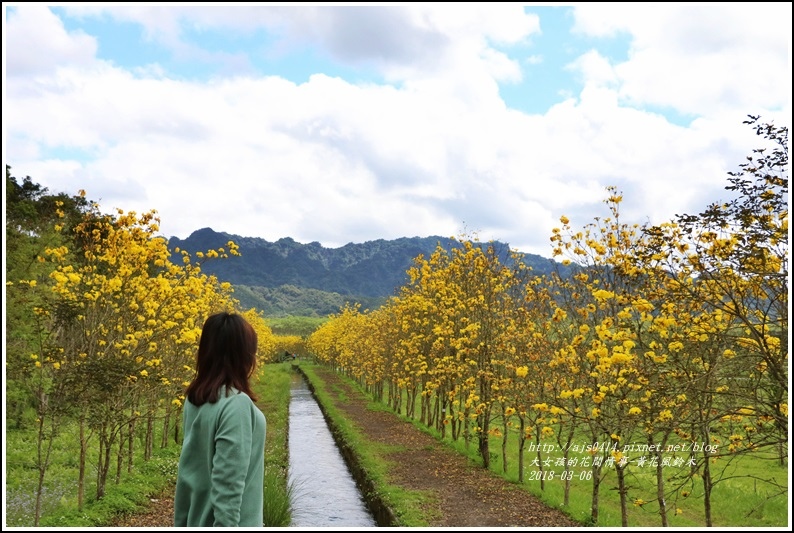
(222,465)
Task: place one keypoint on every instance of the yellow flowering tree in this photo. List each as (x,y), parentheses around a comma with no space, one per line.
(609,299)
(732,259)
(119,314)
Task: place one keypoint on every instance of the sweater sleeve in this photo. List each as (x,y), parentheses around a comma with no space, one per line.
(233,441)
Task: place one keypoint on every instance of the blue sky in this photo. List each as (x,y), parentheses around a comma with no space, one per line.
(544,83)
(343,124)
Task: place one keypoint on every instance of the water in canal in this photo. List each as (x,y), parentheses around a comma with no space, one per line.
(324,492)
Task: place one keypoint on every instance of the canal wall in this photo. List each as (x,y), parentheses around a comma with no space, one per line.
(381,512)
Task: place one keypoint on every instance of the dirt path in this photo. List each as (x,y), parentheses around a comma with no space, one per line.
(160,513)
(466,495)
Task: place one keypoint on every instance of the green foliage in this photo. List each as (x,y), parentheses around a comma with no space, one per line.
(273,389)
(291,300)
(31,209)
(747,260)
(301,326)
(31,212)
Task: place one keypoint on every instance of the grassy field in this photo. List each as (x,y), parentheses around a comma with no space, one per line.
(59,506)
(739,498)
(148,478)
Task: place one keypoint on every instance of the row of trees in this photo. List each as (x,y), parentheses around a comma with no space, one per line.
(666,335)
(677,332)
(102,327)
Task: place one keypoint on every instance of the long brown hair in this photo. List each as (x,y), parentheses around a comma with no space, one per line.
(226,357)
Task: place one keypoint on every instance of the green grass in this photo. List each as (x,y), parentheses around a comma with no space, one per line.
(273,389)
(60,496)
(148,479)
(277,504)
(736,502)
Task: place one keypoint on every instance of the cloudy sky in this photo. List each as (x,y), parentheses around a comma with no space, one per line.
(345,124)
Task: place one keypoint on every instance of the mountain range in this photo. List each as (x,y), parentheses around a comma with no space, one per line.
(286,277)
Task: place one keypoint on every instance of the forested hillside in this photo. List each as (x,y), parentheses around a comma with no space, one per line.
(287,277)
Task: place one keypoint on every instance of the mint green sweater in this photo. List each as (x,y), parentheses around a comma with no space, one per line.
(222,465)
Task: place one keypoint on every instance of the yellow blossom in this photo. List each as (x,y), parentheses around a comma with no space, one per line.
(602,294)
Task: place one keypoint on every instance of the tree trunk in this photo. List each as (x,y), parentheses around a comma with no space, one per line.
(624,510)
(504,444)
(707,486)
(437,413)
(483,442)
(103,462)
(166,427)
(466,430)
(540,459)
(441,416)
(130,444)
(595,493)
(566,498)
(660,482)
(149,441)
(81,466)
(120,455)
(521,439)
(42,461)
(424,415)
(177,425)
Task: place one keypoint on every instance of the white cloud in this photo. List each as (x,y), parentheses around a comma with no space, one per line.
(594,69)
(40,43)
(700,59)
(435,152)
